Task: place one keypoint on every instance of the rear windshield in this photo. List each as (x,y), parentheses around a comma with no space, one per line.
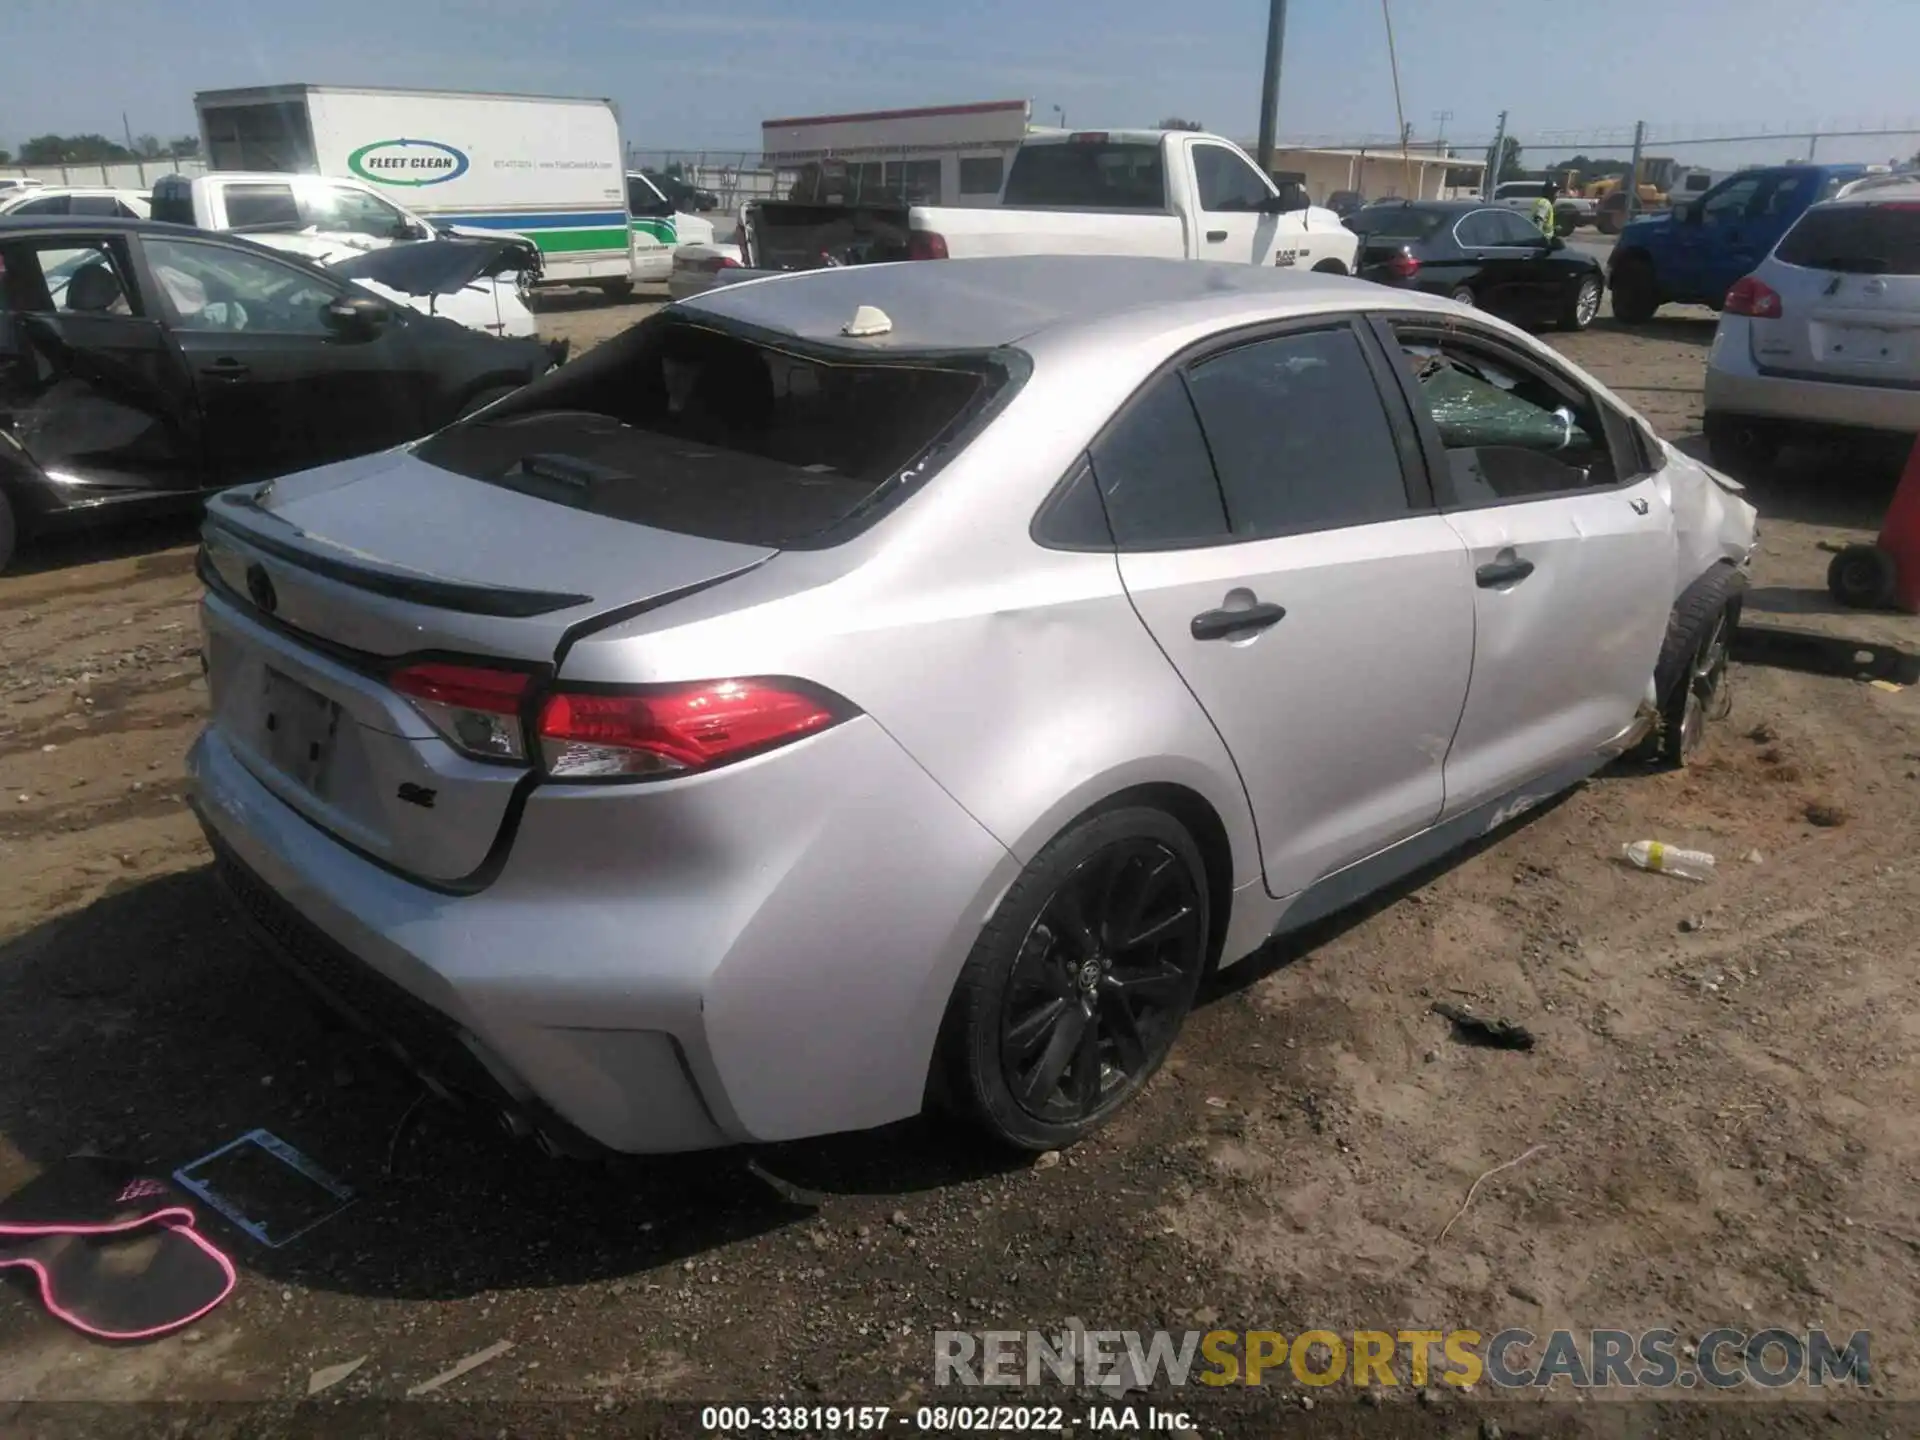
(1861,239)
(1395,222)
(682,427)
(1109,175)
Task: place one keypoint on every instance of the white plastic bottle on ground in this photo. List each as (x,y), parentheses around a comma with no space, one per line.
(1652,855)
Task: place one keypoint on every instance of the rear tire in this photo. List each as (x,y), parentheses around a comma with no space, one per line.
(1582,305)
(1863,577)
(616,289)
(1330,267)
(1077,987)
(9,532)
(1463,295)
(1635,297)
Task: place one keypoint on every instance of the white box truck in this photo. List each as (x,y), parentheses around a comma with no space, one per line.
(547,167)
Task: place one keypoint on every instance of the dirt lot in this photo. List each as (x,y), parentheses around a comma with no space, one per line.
(1724,1087)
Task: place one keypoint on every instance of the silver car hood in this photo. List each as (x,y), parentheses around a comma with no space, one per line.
(388,555)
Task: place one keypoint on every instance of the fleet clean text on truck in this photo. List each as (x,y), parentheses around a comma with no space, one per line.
(546,167)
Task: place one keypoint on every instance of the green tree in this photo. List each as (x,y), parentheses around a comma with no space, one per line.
(6,157)
(72,150)
(1174,122)
(183,147)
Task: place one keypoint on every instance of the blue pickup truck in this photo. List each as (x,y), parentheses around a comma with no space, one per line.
(1693,254)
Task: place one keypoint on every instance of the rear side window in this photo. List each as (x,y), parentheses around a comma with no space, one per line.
(262,205)
(1299,435)
(982,174)
(1857,239)
(683,427)
(1108,175)
(1154,473)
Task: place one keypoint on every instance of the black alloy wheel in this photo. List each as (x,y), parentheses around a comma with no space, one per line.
(1078,985)
(1102,983)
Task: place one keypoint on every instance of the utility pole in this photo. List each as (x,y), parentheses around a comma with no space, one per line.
(1633,178)
(1813,144)
(129,130)
(1440,118)
(1270,82)
(1494,156)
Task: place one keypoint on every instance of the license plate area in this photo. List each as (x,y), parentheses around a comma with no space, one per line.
(298,729)
(1866,346)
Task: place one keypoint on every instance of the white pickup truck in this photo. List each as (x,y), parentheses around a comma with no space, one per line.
(328,219)
(1173,193)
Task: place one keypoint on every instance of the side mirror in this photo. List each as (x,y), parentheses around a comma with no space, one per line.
(1689,212)
(357,317)
(1556,243)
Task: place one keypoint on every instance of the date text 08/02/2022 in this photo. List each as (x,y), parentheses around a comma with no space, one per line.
(939,1419)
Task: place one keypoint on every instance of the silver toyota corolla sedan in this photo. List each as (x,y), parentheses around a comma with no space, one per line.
(900,685)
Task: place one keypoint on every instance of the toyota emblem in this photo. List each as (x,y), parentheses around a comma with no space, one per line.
(260,588)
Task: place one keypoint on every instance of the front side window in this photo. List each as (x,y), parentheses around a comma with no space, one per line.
(1154,473)
(352,212)
(1731,203)
(262,205)
(1515,229)
(1227,183)
(1299,435)
(1510,434)
(215,288)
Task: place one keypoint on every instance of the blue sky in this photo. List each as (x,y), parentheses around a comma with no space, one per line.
(703,73)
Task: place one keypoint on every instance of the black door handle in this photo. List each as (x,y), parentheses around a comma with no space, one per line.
(1221,624)
(224,369)
(1216,236)
(1510,571)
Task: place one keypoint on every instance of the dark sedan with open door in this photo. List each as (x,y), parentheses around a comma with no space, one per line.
(143,365)
(1480,255)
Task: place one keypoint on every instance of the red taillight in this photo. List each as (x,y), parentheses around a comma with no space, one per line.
(598,735)
(476,710)
(1087,137)
(1753,296)
(926,245)
(722,262)
(1403,266)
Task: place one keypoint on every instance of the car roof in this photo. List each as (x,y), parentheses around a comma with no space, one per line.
(1872,189)
(1433,207)
(981,304)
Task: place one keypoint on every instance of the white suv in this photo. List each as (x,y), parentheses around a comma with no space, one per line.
(1825,335)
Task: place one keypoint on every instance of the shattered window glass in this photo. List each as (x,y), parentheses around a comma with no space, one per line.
(1508,434)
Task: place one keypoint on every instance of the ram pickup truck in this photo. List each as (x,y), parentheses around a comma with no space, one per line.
(1173,193)
(314,216)
(1695,252)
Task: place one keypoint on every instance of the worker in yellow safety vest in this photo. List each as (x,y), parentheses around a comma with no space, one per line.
(1542,214)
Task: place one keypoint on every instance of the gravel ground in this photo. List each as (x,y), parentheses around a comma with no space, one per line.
(1723,1092)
